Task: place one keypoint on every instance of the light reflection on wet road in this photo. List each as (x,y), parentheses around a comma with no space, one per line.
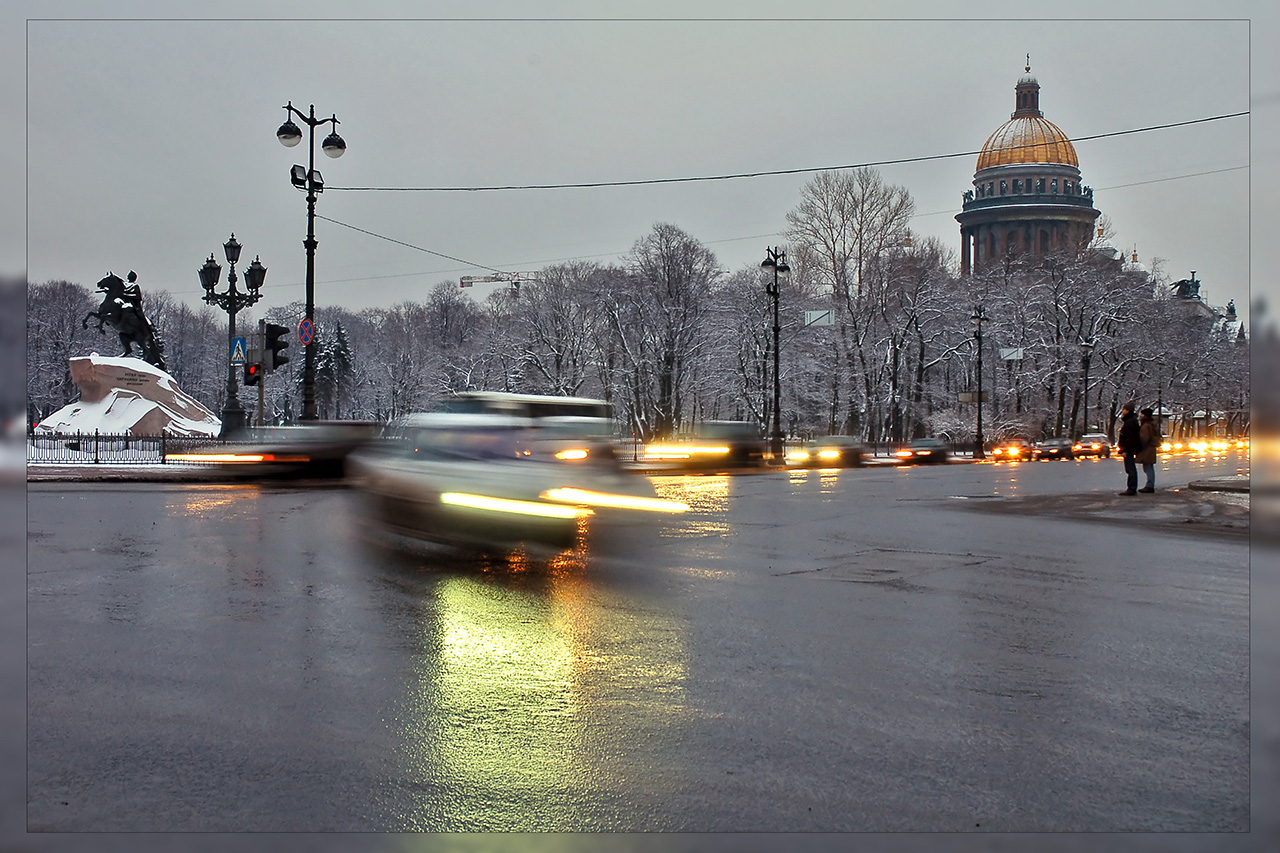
(804,651)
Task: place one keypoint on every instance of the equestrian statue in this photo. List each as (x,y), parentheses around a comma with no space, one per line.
(121,309)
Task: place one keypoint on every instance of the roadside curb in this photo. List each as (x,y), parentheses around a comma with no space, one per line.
(1221,484)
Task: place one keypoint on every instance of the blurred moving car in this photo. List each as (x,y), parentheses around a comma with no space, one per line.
(316,449)
(712,445)
(1012,448)
(487,481)
(1055,448)
(831,451)
(570,428)
(923,451)
(1201,446)
(1092,444)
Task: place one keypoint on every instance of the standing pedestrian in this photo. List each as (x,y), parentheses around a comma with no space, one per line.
(1149,433)
(1129,441)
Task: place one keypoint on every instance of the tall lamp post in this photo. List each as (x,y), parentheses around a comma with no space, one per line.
(1086,355)
(1160,399)
(310,180)
(231,301)
(775,260)
(978,316)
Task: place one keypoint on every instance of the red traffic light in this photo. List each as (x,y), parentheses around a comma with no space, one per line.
(252,373)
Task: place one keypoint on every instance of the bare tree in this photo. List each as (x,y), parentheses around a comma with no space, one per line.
(842,229)
(672,274)
(55,310)
(557,318)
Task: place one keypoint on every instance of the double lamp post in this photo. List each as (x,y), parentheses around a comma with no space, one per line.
(309,180)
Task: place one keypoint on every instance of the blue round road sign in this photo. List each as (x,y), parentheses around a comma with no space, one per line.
(306,331)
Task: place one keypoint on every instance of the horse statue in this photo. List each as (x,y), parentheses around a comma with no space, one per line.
(121,309)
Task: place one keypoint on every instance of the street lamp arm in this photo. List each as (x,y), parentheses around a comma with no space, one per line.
(311,120)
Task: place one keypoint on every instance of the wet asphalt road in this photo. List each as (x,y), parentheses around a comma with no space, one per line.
(804,652)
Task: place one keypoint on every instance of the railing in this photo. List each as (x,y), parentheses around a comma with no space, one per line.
(1073,199)
(116,449)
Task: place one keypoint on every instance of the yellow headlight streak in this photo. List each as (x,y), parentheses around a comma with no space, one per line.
(571,454)
(234,458)
(516,507)
(828,454)
(586,497)
(682,451)
(215,457)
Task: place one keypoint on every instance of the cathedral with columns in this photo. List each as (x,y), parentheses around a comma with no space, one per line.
(1027,196)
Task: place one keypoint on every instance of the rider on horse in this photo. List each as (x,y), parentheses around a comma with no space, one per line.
(121,309)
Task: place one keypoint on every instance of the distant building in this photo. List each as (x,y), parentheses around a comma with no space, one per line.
(1224,322)
(1027,196)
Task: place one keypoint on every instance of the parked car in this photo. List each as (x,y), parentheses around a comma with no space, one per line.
(1055,448)
(923,451)
(1092,444)
(830,451)
(1012,448)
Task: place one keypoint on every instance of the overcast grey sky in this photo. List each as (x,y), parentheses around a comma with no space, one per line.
(150,140)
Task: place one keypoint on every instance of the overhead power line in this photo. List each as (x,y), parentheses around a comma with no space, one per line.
(476,265)
(769,173)
(410,245)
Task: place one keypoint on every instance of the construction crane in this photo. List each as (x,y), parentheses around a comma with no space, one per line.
(513,277)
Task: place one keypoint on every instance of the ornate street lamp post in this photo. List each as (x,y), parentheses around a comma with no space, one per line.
(310,180)
(775,260)
(978,316)
(231,301)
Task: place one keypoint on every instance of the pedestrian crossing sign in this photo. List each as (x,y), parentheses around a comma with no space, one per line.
(237,351)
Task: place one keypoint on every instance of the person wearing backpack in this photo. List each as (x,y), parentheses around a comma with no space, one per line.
(1149,433)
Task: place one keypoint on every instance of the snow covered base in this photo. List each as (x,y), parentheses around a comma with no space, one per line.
(122,395)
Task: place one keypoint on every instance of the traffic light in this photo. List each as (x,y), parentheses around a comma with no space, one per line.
(252,373)
(273,353)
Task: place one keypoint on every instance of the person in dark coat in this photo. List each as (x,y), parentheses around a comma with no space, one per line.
(1149,433)
(1129,442)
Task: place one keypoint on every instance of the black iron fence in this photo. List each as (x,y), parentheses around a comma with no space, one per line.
(117,449)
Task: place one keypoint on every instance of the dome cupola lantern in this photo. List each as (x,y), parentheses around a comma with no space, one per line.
(1028,94)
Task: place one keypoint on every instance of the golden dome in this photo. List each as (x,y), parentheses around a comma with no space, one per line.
(1027,139)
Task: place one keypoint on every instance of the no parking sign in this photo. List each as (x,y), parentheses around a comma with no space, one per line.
(306,331)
